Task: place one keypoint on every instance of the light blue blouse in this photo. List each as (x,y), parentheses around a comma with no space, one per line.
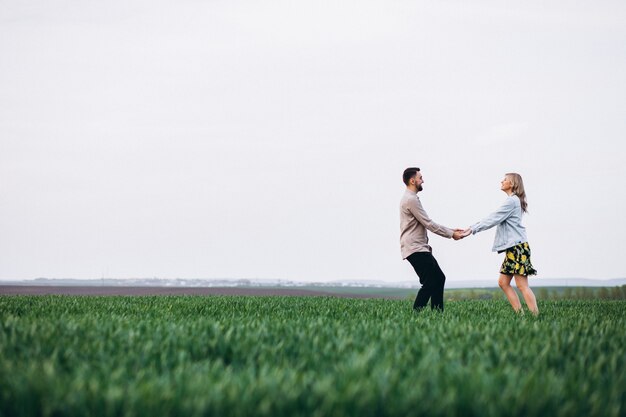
(508,218)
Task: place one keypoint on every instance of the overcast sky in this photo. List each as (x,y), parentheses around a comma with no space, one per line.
(266,139)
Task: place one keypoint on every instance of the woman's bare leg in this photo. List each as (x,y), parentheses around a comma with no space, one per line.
(522,283)
(505,283)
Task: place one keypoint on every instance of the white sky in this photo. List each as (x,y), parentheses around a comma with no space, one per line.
(266,139)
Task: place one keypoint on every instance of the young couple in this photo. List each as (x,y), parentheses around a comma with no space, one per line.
(510,238)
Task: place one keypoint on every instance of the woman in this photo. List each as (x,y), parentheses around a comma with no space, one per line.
(511,238)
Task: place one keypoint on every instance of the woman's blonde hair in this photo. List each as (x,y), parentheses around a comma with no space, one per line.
(518,189)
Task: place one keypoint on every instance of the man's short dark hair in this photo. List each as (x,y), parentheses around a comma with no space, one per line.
(408,174)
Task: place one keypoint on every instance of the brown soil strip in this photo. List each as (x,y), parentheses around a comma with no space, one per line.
(144,291)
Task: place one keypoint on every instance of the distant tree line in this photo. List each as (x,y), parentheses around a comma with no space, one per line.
(542,293)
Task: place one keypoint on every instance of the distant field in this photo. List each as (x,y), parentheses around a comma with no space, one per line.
(542,293)
(176,290)
(292,356)
(312,290)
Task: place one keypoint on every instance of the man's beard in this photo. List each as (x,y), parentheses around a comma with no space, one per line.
(420,188)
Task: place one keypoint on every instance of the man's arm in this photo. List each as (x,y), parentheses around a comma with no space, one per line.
(415,207)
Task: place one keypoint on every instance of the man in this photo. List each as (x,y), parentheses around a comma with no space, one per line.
(414,242)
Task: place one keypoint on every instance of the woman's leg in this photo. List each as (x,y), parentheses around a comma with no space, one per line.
(522,283)
(505,283)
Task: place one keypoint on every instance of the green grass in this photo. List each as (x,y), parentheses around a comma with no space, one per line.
(319,356)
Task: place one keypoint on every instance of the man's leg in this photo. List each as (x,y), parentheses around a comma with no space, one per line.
(430,277)
(417,261)
(439,281)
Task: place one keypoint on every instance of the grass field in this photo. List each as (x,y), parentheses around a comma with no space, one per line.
(318,356)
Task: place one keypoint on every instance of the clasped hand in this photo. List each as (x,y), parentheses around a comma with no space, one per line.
(461,233)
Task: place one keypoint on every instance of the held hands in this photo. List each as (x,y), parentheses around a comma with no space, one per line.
(461,233)
(458,234)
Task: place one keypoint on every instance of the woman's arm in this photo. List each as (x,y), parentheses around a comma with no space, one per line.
(495,218)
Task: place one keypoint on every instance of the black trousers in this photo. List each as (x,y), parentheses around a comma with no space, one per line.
(432,279)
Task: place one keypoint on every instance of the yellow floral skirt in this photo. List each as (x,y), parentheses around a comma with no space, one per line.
(517,261)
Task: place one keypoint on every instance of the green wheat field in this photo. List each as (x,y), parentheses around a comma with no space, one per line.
(308,356)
